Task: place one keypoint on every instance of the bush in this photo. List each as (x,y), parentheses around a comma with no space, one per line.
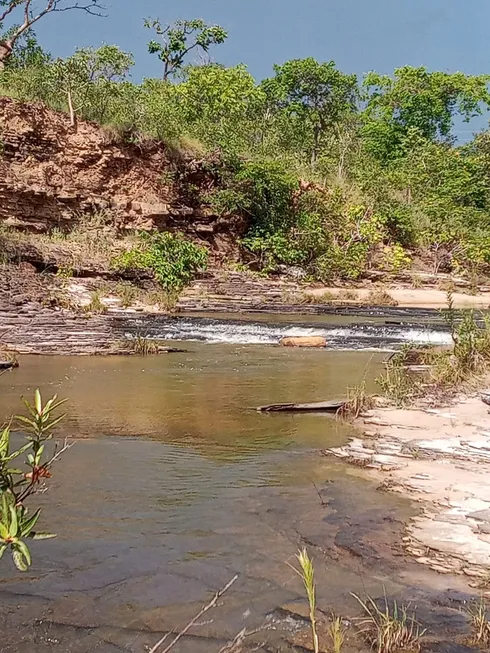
(16,485)
(172,258)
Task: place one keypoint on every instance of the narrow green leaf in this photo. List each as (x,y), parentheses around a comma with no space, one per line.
(38,404)
(58,403)
(29,408)
(26,420)
(14,524)
(4,531)
(55,421)
(24,549)
(7,502)
(28,524)
(41,536)
(18,452)
(19,560)
(3,548)
(47,406)
(39,454)
(5,441)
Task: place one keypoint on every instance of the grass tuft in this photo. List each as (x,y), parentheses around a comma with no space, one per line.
(144,346)
(96,304)
(337,633)
(396,383)
(379,297)
(357,403)
(390,629)
(479,614)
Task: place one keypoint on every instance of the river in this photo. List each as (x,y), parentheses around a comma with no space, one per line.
(175,484)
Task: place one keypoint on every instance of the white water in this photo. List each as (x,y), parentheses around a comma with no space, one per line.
(352,336)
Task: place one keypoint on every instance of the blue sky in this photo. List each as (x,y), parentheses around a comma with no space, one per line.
(360,35)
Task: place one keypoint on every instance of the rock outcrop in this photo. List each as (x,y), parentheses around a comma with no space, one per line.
(303,341)
(51,176)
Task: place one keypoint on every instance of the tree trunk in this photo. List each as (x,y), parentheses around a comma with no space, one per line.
(73,117)
(5,53)
(316,144)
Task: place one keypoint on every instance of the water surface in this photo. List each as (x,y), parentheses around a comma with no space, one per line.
(175,484)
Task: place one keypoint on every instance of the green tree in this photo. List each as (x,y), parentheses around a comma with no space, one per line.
(177,40)
(219,105)
(314,96)
(29,12)
(27,53)
(415,98)
(89,80)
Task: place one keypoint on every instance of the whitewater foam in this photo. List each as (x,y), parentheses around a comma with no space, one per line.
(352,336)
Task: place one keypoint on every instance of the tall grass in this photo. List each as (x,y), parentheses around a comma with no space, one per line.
(337,632)
(389,629)
(456,368)
(479,613)
(358,402)
(307,574)
(396,383)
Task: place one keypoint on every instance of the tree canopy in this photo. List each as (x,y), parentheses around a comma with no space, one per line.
(333,173)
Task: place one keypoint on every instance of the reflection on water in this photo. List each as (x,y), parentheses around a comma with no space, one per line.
(203,399)
(175,484)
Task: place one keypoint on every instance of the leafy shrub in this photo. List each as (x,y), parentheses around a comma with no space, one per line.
(172,258)
(395,258)
(17,485)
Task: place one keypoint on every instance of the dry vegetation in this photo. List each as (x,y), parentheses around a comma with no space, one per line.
(389,628)
(479,614)
(379,297)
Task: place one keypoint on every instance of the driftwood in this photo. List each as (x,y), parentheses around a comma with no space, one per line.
(315,407)
(8,365)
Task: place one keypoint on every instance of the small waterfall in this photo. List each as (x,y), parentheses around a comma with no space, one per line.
(249,332)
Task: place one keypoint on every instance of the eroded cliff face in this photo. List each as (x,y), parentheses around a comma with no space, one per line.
(52,176)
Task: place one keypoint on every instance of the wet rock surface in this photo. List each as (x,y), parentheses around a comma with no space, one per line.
(440,458)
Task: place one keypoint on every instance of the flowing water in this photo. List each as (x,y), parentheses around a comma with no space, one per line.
(175,484)
(341,332)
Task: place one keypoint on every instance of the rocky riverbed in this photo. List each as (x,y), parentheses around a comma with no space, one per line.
(440,458)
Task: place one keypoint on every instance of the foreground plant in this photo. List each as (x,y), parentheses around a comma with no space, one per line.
(307,574)
(479,613)
(358,402)
(391,628)
(17,485)
(337,632)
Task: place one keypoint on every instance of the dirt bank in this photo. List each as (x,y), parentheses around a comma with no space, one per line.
(440,458)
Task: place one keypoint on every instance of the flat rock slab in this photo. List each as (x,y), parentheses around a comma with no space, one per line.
(440,458)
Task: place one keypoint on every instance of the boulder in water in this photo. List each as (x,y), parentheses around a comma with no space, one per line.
(303,341)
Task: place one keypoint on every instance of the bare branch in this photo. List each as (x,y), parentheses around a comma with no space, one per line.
(235,646)
(8,11)
(94,8)
(193,621)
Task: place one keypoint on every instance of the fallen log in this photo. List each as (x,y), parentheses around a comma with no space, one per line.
(315,407)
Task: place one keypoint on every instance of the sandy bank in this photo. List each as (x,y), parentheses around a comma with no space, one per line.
(408,297)
(440,458)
